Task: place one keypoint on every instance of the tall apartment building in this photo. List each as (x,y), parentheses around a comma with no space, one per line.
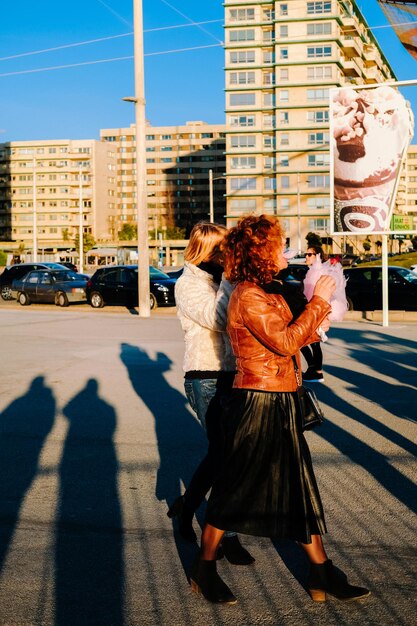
(50,180)
(282,58)
(178,161)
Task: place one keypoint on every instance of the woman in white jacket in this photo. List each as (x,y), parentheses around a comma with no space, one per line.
(202,298)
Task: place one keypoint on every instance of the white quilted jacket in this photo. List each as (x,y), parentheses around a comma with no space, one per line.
(202,310)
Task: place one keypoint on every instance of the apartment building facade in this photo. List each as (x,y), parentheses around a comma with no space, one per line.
(282,58)
(54,183)
(178,163)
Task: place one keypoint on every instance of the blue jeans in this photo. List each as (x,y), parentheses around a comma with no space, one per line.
(199,392)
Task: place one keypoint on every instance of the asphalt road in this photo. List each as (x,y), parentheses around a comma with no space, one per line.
(96,437)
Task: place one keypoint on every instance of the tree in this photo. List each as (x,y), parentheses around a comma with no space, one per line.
(366,245)
(378,244)
(128,232)
(88,242)
(171,232)
(3,258)
(313,240)
(65,234)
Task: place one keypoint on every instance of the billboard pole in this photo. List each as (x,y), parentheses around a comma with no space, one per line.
(385,309)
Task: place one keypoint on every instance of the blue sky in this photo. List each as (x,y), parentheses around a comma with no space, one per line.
(76,102)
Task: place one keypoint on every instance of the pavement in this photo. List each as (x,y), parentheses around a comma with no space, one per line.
(96,438)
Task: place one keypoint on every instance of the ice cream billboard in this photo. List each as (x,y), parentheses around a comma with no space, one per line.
(370,130)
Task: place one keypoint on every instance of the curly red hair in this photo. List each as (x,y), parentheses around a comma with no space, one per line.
(250,249)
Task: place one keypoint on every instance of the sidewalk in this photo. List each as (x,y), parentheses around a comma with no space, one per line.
(96,438)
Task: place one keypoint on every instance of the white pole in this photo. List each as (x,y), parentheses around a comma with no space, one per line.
(211,214)
(385,310)
(81,228)
(34,214)
(298,215)
(141,199)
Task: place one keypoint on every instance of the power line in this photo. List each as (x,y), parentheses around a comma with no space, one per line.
(61,67)
(100,39)
(109,8)
(191,21)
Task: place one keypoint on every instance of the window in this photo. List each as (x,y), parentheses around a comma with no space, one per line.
(318,160)
(318,204)
(319,72)
(242,206)
(166,148)
(317,94)
(242,99)
(242,35)
(283,9)
(284,117)
(318,138)
(284,139)
(270,204)
(321,224)
(166,137)
(242,57)
(242,15)
(319,181)
(268,15)
(243,183)
(284,95)
(270,184)
(269,56)
(269,121)
(269,78)
(283,31)
(284,160)
(313,8)
(268,99)
(285,182)
(269,163)
(324,28)
(242,120)
(243,163)
(283,54)
(150,137)
(285,203)
(269,141)
(268,36)
(242,78)
(318,117)
(166,160)
(243,141)
(318,52)
(284,74)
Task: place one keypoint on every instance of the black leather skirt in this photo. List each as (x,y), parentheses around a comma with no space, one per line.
(266,484)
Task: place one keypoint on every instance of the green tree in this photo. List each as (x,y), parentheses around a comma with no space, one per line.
(171,232)
(88,242)
(128,232)
(3,258)
(313,239)
(366,245)
(65,234)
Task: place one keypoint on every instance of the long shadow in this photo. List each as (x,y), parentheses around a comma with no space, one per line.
(181,440)
(89,564)
(24,427)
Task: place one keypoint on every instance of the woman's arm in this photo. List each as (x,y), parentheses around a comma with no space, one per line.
(202,303)
(270,323)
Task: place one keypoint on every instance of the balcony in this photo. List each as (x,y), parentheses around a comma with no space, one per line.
(352,47)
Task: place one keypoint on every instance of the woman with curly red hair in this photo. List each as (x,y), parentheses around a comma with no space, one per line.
(266,485)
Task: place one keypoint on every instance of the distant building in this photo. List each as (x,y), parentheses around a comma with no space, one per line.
(178,161)
(56,177)
(281,60)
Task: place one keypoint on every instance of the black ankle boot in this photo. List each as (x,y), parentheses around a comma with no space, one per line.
(204,579)
(326,579)
(185,519)
(234,552)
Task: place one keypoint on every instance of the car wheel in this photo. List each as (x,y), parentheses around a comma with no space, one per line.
(96,300)
(152,301)
(6,293)
(61,299)
(350,304)
(23,299)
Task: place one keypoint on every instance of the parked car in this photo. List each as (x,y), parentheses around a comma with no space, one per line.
(55,286)
(175,273)
(364,288)
(14,272)
(294,274)
(118,284)
(70,266)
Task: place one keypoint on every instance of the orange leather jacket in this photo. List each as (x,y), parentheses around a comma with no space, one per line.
(264,339)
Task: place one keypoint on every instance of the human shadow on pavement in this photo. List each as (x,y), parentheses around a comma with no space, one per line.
(181,440)
(24,427)
(89,564)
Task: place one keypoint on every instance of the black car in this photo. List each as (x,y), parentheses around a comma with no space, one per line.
(364,288)
(14,272)
(50,286)
(118,284)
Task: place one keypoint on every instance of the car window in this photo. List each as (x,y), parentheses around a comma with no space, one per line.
(46,278)
(64,277)
(128,276)
(406,275)
(33,277)
(154,273)
(110,277)
(361,276)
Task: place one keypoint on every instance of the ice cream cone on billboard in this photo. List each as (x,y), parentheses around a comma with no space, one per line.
(371,130)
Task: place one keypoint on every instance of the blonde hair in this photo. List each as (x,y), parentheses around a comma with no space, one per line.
(204,244)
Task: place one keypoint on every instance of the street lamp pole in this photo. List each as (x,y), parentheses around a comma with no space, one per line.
(34,215)
(80,217)
(141,199)
(298,215)
(211,214)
